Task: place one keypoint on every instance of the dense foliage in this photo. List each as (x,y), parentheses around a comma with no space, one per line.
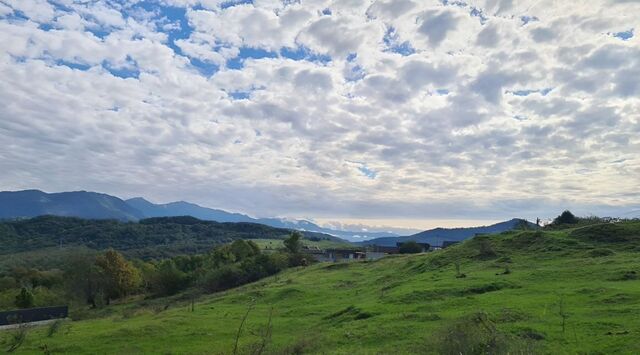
(410,247)
(95,280)
(150,238)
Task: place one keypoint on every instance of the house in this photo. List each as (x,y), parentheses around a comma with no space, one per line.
(334,255)
(315,253)
(345,254)
(384,249)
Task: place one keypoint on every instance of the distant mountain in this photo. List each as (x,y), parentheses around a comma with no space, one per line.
(438,235)
(82,204)
(182,208)
(92,205)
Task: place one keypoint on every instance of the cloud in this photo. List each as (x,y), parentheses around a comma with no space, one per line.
(436,24)
(334,109)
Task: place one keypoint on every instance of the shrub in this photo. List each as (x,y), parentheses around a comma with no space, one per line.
(566,218)
(24,299)
(475,334)
(167,280)
(485,248)
(410,247)
(225,277)
(596,253)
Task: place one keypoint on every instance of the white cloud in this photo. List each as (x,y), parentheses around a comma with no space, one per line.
(498,107)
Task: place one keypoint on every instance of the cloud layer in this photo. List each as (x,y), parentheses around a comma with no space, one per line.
(346,108)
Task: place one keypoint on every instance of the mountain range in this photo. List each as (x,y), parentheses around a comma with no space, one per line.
(93,205)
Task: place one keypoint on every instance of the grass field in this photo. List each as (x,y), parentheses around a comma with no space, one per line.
(274,244)
(521,286)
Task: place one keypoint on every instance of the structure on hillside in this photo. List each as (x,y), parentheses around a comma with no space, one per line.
(32,315)
(345,254)
(385,249)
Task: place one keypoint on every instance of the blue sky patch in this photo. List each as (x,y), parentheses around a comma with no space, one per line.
(232,3)
(124,72)
(248,52)
(240,95)
(304,53)
(475,12)
(371,174)
(624,35)
(526,19)
(72,65)
(205,68)
(391,41)
(527,92)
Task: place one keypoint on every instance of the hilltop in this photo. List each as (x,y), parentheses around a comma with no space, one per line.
(574,290)
(439,235)
(81,204)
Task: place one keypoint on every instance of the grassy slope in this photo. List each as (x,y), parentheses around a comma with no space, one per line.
(400,303)
(274,244)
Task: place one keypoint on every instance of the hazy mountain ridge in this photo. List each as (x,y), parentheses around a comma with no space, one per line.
(438,235)
(82,204)
(92,205)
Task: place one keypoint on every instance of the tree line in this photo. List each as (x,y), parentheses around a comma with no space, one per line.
(99,279)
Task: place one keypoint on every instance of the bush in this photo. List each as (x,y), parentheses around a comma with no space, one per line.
(485,248)
(167,280)
(475,334)
(224,278)
(410,247)
(24,299)
(566,218)
(596,253)
(7,283)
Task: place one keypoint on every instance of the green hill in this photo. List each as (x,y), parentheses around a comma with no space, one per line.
(149,238)
(569,291)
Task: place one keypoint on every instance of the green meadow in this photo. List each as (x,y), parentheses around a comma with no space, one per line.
(570,291)
(275,244)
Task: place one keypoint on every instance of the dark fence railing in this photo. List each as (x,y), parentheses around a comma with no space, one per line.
(33,315)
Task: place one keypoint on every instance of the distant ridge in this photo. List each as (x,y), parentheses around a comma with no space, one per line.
(93,205)
(181,208)
(82,204)
(438,235)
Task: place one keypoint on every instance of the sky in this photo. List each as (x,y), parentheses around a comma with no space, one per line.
(384,113)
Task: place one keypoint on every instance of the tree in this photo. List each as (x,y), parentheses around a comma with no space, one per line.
(83,279)
(242,249)
(410,247)
(293,243)
(24,299)
(120,277)
(566,218)
(167,279)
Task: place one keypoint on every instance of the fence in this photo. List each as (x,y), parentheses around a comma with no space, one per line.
(33,315)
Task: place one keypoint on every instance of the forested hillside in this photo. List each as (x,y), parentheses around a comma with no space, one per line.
(149,238)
